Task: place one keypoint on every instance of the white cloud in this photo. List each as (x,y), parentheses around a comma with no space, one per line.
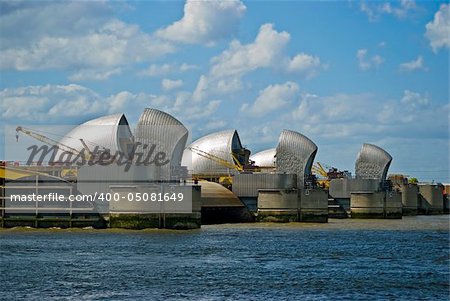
(364,115)
(438,30)
(193,111)
(399,11)
(93,74)
(55,103)
(186,67)
(207,85)
(366,63)
(265,51)
(63,104)
(205,22)
(23,23)
(414,100)
(155,70)
(305,63)
(375,10)
(272,98)
(215,125)
(337,110)
(201,89)
(81,37)
(413,65)
(114,44)
(268,50)
(168,84)
(132,104)
(71,104)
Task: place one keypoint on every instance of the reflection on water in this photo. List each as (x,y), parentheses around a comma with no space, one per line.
(344,259)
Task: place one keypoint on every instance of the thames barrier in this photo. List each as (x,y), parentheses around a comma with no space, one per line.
(151,178)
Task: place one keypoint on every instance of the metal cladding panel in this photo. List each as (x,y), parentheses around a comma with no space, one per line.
(372,162)
(110,132)
(295,155)
(166,133)
(221,145)
(247,185)
(265,158)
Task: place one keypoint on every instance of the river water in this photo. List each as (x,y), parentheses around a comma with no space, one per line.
(342,260)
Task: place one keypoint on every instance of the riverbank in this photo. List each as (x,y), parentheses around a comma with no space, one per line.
(408,223)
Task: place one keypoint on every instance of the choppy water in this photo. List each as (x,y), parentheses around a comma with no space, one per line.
(345,259)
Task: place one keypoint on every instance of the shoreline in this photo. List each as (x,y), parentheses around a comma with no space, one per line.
(407,223)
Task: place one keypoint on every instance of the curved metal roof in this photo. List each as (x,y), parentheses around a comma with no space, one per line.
(220,145)
(372,162)
(167,133)
(110,132)
(295,155)
(265,158)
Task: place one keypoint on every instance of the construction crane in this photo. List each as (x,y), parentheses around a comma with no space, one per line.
(238,164)
(318,169)
(69,173)
(52,142)
(324,176)
(235,165)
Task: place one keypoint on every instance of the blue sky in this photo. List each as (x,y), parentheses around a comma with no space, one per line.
(342,73)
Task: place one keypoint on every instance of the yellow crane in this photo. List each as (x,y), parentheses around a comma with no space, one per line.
(321,174)
(318,169)
(68,173)
(324,176)
(236,165)
(53,142)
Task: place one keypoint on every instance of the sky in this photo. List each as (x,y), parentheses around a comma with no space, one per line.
(342,73)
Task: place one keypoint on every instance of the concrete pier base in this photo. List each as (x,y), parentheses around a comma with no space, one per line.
(313,205)
(367,205)
(277,205)
(431,199)
(393,205)
(156,214)
(290,205)
(376,205)
(410,201)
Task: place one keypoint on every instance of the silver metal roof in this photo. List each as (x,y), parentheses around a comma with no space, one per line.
(295,155)
(372,162)
(265,158)
(220,145)
(167,133)
(110,132)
